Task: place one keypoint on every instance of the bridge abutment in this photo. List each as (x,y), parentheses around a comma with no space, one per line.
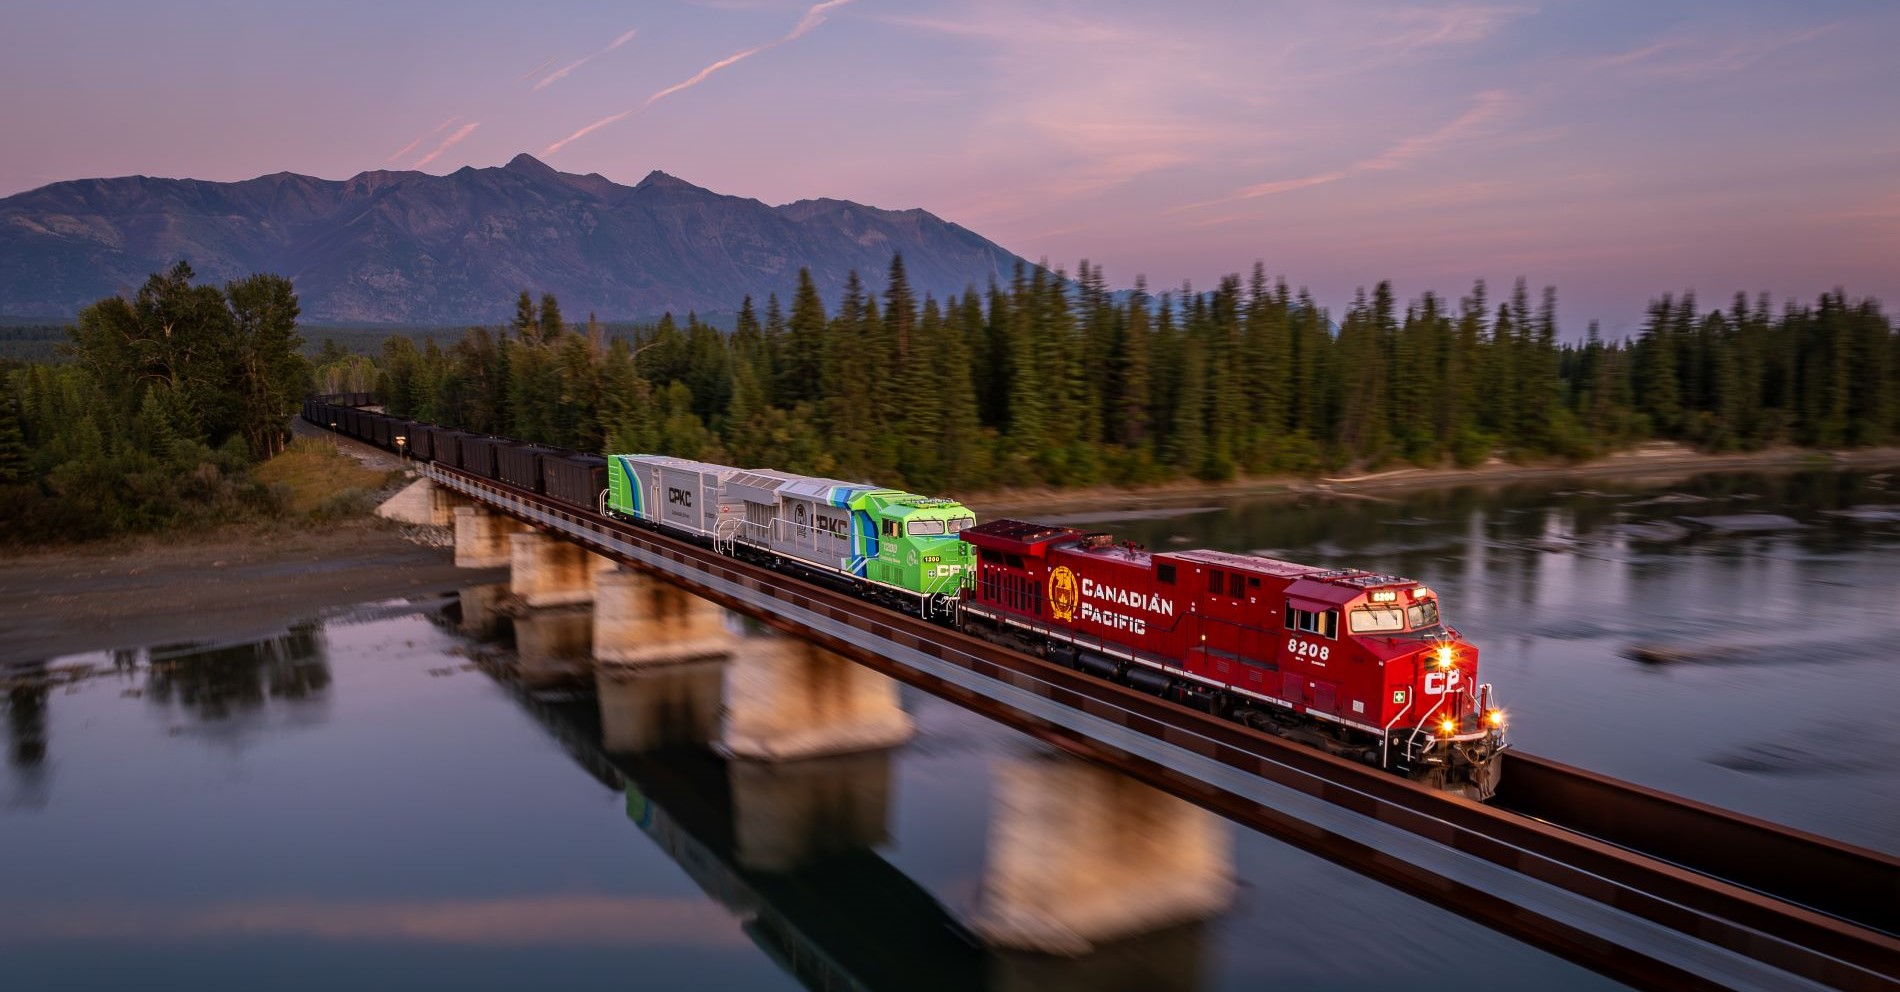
(481,537)
(1081,855)
(787,699)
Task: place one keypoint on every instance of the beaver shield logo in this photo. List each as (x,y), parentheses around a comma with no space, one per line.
(1064,593)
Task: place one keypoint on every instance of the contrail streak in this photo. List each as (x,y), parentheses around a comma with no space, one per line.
(583,60)
(448,142)
(813,17)
(406,149)
(534,71)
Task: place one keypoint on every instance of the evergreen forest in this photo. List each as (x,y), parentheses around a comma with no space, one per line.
(1055,380)
(164,401)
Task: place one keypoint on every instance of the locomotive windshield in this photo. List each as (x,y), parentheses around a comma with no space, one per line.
(959,523)
(1377,619)
(924,528)
(1386,619)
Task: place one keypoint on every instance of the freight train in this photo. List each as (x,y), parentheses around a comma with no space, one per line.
(1356,663)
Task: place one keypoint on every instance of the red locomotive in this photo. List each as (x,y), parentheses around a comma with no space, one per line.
(1357,663)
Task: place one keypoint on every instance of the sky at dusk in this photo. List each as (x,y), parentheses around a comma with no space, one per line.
(1617,149)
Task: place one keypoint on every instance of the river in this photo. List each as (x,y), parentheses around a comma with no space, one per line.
(358,802)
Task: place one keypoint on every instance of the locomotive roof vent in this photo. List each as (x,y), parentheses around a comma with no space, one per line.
(1098,539)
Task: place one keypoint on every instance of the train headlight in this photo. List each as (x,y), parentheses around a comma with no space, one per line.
(1494,718)
(1448,727)
(1444,656)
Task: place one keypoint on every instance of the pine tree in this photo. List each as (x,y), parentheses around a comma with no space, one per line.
(1656,378)
(1132,359)
(550,321)
(525,326)
(803,369)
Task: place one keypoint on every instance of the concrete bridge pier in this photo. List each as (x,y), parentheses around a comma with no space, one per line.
(481,537)
(546,571)
(654,707)
(1081,855)
(787,699)
(442,504)
(641,621)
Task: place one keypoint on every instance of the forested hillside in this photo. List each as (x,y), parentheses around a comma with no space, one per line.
(1054,380)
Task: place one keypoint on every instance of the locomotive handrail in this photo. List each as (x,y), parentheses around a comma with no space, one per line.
(1385,738)
(1708,912)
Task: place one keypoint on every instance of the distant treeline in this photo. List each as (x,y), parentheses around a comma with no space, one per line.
(1054,380)
(32,342)
(166,401)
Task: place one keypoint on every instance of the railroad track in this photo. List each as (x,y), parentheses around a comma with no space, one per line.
(1647,888)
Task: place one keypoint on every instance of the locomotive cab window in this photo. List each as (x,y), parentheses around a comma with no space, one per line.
(1164,574)
(1424,613)
(961,522)
(924,528)
(1325,623)
(1376,619)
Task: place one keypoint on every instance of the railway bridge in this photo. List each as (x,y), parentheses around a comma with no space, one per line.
(1649,888)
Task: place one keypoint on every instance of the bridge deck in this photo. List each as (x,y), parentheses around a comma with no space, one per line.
(1638,918)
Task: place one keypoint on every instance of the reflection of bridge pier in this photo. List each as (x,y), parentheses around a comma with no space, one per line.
(1081,855)
(789,847)
(789,814)
(763,763)
(658,707)
(808,732)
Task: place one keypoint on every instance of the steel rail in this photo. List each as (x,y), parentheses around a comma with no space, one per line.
(1632,916)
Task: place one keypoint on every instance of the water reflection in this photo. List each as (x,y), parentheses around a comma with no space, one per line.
(26,724)
(1725,636)
(26,741)
(227,690)
(791,847)
(234,681)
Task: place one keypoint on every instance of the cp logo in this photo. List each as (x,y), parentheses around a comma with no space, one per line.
(1064,593)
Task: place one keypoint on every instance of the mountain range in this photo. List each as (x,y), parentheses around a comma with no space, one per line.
(418,249)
